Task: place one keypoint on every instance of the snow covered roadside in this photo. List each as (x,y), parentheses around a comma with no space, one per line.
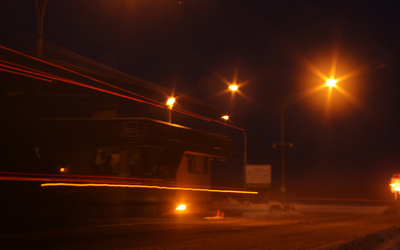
(302,208)
(276,208)
(388,239)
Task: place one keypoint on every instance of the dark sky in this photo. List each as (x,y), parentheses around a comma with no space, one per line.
(349,136)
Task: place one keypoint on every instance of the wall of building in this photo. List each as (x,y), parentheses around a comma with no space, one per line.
(194,171)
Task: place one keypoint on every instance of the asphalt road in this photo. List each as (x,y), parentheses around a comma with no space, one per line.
(312,231)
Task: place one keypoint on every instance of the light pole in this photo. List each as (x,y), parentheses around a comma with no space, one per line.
(282,106)
(226,118)
(40,9)
(170,104)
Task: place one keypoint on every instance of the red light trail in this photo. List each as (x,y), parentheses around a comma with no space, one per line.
(80,176)
(36,74)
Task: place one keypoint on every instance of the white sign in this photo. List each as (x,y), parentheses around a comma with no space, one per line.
(258,175)
(131,129)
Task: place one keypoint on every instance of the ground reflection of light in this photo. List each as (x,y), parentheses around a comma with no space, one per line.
(181,207)
(146,186)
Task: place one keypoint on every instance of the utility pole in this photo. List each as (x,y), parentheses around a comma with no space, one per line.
(40,8)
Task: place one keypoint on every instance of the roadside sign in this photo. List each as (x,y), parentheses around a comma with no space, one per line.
(258,175)
(131,129)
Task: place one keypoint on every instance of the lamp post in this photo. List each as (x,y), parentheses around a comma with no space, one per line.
(282,106)
(226,118)
(40,8)
(170,104)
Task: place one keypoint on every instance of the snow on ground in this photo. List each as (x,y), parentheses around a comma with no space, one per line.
(276,208)
(308,208)
(388,239)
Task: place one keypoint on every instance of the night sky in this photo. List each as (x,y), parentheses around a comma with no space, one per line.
(348,136)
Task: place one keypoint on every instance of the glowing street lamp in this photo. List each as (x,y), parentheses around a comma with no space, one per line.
(233,87)
(170,104)
(331,82)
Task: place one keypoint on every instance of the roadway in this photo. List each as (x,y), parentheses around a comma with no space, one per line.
(295,231)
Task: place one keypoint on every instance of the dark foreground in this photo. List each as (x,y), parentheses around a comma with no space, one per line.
(296,231)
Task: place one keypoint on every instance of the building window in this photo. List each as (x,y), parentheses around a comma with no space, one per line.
(134,162)
(144,161)
(198,164)
(206,165)
(152,160)
(106,160)
(192,164)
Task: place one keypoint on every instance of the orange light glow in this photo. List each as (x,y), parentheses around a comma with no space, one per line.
(62,170)
(233,87)
(331,82)
(181,207)
(225,117)
(395,185)
(146,186)
(171,102)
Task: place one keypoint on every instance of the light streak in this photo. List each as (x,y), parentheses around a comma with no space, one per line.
(77,73)
(18,73)
(20,178)
(146,186)
(23,67)
(16,178)
(54,77)
(81,176)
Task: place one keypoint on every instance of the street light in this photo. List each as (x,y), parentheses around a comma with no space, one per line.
(282,106)
(331,83)
(170,104)
(233,87)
